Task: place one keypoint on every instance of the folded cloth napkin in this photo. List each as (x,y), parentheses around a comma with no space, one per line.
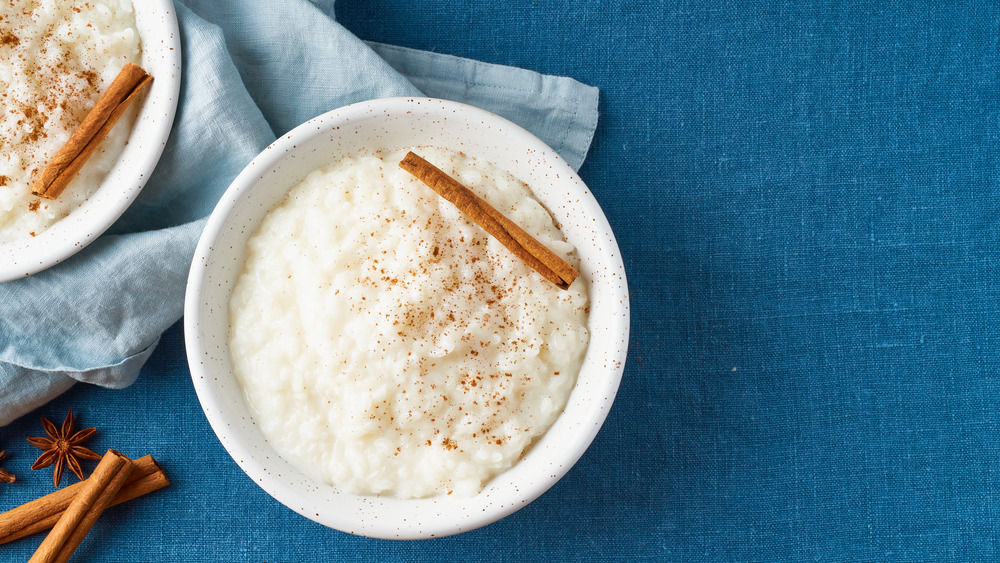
(252,71)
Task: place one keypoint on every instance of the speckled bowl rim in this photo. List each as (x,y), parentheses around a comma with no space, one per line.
(264,182)
(156,21)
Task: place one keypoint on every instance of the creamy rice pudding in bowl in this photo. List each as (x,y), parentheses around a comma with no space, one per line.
(57,59)
(375,359)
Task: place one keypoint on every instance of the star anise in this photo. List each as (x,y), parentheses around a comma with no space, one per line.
(64,447)
(5,476)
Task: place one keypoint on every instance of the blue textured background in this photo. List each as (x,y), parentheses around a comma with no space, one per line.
(805,198)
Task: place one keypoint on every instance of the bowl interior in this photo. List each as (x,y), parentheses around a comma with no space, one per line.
(156,22)
(398,123)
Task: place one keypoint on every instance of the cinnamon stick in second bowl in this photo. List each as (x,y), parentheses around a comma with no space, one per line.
(63,167)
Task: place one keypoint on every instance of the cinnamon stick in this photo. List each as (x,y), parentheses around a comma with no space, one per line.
(107,479)
(42,513)
(523,245)
(94,128)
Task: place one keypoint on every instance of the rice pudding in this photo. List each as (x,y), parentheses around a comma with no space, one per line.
(388,345)
(58,56)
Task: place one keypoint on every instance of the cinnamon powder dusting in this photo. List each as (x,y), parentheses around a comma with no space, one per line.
(49,88)
(434,340)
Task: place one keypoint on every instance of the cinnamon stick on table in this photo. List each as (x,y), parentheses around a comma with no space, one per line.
(523,245)
(88,136)
(42,513)
(102,486)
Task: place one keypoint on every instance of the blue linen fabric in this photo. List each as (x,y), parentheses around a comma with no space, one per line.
(247,77)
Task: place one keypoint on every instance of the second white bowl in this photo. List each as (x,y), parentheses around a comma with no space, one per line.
(156,22)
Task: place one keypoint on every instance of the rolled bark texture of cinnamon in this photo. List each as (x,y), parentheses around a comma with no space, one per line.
(42,513)
(88,504)
(508,233)
(63,167)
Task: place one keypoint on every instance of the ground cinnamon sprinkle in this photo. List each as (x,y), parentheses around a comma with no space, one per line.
(448,330)
(49,90)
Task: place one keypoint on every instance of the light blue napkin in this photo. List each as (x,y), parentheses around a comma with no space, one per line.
(249,76)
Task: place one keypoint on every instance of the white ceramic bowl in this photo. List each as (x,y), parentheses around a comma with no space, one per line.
(398,123)
(156,22)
